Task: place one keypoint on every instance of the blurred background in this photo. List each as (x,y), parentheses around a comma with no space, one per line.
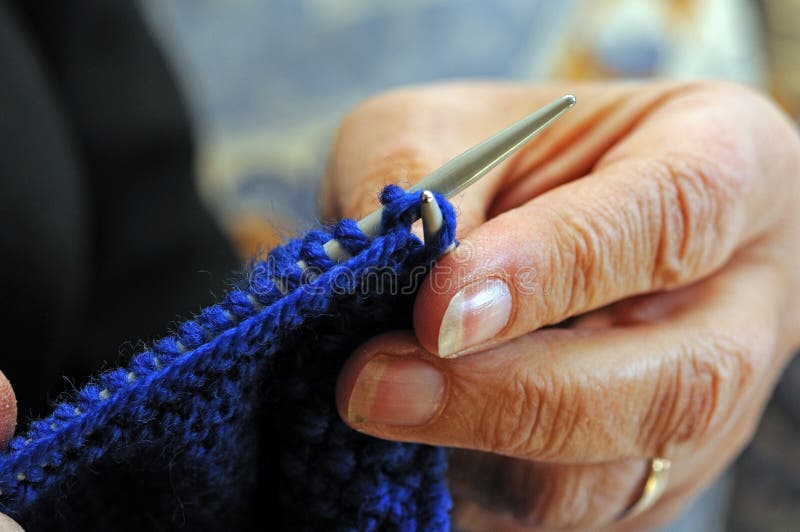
(267,83)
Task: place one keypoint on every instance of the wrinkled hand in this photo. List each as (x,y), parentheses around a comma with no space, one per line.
(661,218)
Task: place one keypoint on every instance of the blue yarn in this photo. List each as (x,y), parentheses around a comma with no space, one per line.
(231,423)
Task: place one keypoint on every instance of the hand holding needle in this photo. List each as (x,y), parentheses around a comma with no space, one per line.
(463,170)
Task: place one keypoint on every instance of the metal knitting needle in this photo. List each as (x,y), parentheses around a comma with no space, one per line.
(463,170)
(431,215)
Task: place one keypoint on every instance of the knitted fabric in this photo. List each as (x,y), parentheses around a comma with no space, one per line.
(231,421)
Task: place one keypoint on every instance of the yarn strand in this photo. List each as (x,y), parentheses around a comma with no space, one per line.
(189,419)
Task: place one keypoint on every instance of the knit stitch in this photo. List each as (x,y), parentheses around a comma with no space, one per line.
(231,422)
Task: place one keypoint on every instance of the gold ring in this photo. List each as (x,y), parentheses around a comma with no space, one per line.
(653,488)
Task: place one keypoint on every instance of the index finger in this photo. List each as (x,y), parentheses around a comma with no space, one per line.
(402,136)
(667,206)
(663,388)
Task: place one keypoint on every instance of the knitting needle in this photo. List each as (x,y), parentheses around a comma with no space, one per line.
(431,215)
(463,170)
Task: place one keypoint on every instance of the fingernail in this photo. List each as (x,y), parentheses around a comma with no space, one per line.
(396,391)
(475,314)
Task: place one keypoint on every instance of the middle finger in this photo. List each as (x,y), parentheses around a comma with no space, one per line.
(578,396)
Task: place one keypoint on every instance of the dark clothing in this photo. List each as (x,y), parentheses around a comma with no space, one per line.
(103,237)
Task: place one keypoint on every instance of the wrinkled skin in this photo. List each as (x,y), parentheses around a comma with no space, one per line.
(662,218)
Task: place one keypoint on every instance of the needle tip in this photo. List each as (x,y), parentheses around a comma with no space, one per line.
(431,216)
(569,99)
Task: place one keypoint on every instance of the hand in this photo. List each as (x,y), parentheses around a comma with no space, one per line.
(8,422)
(661,218)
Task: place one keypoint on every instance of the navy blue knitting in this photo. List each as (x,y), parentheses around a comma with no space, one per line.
(231,422)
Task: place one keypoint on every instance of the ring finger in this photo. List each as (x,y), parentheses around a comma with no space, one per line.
(493,492)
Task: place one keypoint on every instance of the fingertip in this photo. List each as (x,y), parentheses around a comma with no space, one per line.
(347,381)
(8,410)
(435,295)
(429,308)
(9,525)
(387,347)
(391,343)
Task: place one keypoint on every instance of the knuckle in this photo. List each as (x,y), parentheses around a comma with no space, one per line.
(697,210)
(380,142)
(400,162)
(507,424)
(403,161)
(558,421)
(697,392)
(535,417)
(581,250)
(578,496)
(561,501)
